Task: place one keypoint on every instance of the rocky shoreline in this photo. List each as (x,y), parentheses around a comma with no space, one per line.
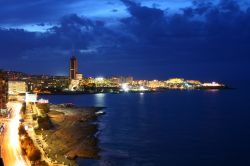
(65,132)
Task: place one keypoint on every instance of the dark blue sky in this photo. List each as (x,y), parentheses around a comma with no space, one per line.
(148,39)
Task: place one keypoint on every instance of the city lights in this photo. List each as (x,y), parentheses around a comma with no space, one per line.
(99,79)
(125,87)
(124,82)
(30,97)
(142,88)
(213,84)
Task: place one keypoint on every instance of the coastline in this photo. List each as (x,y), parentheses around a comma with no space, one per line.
(64,133)
(148,91)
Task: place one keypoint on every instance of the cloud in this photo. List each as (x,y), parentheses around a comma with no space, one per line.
(28,11)
(224,24)
(73,31)
(17,13)
(204,33)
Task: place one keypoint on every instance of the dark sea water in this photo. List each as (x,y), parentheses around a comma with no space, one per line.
(174,128)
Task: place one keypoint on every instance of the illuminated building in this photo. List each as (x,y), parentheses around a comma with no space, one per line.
(74,85)
(16,87)
(175,81)
(121,80)
(103,82)
(125,87)
(128,79)
(14,75)
(213,85)
(140,83)
(100,79)
(73,68)
(194,82)
(30,98)
(75,77)
(3,91)
(156,84)
(17,90)
(79,76)
(47,84)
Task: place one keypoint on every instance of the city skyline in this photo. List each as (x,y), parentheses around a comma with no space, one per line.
(145,39)
(124,82)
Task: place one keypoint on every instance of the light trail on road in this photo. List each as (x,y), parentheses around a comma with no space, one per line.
(11,150)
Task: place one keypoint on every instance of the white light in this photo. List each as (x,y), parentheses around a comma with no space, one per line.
(14,123)
(99,79)
(43,101)
(100,95)
(142,88)
(30,97)
(26,127)
(125,87)
(214,84)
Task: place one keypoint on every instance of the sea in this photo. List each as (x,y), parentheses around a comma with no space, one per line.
(170,128)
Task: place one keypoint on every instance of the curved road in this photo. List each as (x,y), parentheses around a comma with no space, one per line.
(10,149)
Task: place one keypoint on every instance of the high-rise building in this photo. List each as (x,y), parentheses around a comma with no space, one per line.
(3,90)
(73,68)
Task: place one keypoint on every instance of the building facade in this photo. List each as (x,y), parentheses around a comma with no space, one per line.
(73,68)
(17,87)
(16,90)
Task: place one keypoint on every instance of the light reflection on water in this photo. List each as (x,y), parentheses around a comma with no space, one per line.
(100,99)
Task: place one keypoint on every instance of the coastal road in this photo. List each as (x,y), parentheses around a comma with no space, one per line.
(10,148)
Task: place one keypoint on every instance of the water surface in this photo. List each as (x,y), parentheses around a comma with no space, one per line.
(174,128)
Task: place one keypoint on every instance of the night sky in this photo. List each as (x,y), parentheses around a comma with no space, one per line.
(147,39)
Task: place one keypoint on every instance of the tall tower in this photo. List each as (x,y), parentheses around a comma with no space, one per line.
(73,67)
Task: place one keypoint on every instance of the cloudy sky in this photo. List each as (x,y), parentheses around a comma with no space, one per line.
(148,39)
